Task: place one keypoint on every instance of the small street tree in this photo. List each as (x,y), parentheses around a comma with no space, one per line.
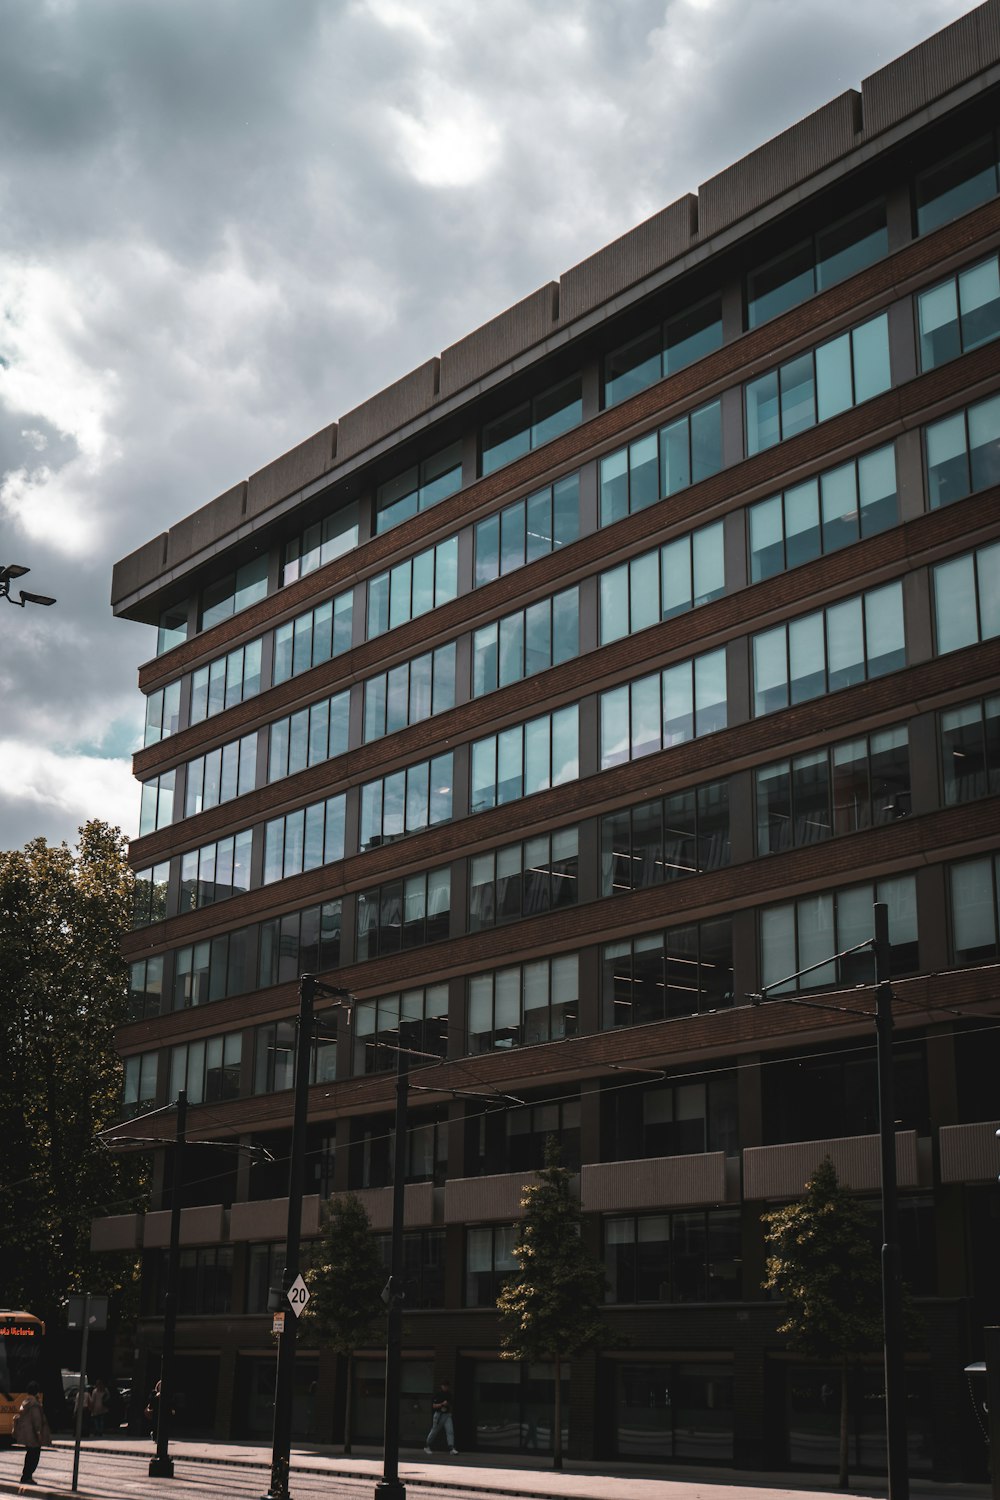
(64,989)
(823,1263)
(551,1309)
(345,1281)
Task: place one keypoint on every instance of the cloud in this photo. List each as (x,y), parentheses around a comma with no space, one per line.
(224,225)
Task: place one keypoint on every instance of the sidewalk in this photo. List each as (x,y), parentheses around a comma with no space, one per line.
(117,1467)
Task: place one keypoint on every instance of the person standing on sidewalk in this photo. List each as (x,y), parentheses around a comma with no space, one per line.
(100,1403)
(32,1429)
(441,1407)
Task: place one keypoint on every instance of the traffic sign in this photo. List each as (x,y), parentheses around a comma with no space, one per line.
(277,1322)
(298,1296)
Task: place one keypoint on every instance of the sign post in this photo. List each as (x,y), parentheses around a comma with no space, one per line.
(85,1312)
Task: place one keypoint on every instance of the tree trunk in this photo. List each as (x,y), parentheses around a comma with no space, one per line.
(557,1419)
(842,1474)
(347,1404)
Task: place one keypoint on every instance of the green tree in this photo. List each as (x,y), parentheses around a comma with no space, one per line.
(551,1309)
(345,1281)
(824,1264)
(64,985)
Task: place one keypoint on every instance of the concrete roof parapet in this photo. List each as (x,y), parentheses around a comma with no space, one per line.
(138,568)
(951,57)
(388,410)
(502,339)
(307,461)
(780,164)
(638,253)
(207,525)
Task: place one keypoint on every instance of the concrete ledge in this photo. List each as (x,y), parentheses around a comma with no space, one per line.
(267,1218)
(969,1153)
(199,1226)
(500,340)
(783,1171)
(295,469)
(790,158)
(949,58)
(117,1232)
(660,1182)
(207,525)
(418,1206)
(476,1199)
(627,260)
(382,413)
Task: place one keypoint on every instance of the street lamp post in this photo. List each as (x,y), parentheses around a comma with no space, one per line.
(892,1282)
(390,1486)
(892,1286)
(309,987)
(161,1465)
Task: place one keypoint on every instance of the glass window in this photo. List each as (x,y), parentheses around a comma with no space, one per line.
(801,935)
(535,422)
(683,702)
(819,262)
(970,750)
(406,801)
(852,641)
(818,384)
(678,972)
(680,341)
(523,1005)
(526,758)
(690,449)
(657,585)
(528,529)
(973,891)
(529,641)
(967,598)
(419,487)
(666,839)
(320,543)
(413,587)
(314,637)
(953,186)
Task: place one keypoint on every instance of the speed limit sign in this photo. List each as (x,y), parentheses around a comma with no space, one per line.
(298,1296)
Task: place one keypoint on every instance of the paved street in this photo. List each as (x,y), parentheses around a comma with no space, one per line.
(119,1468)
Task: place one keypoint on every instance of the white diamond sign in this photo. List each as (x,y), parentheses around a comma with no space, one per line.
(298,1296)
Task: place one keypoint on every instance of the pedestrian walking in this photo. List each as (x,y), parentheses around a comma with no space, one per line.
(100,1405)
(441,1407)
(31,1429)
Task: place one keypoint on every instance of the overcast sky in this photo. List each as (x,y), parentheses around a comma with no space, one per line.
(225,222)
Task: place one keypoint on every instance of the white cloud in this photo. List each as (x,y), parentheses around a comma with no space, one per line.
(223,226)
(66,790)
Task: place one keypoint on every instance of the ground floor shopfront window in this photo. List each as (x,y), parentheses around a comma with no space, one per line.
(514,1405)
(812,1419)
(681,1411)
(415,1398)
(254,1417)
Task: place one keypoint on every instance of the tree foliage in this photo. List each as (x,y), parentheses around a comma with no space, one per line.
(823,1263)
(552,1308)
(345,1280)
(64,989)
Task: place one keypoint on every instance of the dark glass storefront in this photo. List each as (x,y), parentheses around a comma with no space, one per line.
(514,1405)
(255,1397)
(812,1419)
(668,1410)
(415,1397)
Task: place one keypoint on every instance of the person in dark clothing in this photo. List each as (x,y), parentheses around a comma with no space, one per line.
(441,1407)
(31,1429)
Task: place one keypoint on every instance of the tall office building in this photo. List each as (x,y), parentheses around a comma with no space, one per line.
(599,674)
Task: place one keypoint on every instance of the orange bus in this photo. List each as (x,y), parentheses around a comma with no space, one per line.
(21,1335)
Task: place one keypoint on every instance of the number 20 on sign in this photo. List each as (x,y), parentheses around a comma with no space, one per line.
(298,1296)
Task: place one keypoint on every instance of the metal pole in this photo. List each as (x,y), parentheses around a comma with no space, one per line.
(892,1284)
(161,1465)
(390,1486)
(285,1373)
(78,1424)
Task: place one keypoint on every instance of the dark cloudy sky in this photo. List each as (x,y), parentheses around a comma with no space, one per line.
(225,222)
